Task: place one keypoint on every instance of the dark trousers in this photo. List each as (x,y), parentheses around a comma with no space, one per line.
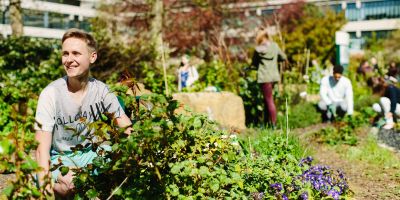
(267,90)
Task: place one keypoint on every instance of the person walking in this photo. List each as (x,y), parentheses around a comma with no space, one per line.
(265,59)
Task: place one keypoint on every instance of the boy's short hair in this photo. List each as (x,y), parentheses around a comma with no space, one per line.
(77,33)
(338,69)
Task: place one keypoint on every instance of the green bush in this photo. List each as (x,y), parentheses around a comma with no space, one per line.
(26,67)
(169,155)
(301,115)
(343,131)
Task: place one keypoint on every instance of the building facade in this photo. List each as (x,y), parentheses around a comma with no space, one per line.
(366,18)
(51,18)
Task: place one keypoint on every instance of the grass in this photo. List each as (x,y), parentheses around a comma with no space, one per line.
(370,152)
(264,141)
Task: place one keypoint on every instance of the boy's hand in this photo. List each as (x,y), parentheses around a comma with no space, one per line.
(64,185)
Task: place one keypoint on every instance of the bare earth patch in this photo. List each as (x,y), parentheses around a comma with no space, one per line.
(5,179)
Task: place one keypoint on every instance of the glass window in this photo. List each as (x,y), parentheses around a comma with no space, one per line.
(33,18)
(85,24)
(3,17)
(381,9)
(58,20)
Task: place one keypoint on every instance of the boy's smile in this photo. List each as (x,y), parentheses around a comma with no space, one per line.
(76,57)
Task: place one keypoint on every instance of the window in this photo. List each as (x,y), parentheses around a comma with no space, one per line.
(33,18)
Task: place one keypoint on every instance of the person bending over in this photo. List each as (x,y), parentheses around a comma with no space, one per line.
(336,94)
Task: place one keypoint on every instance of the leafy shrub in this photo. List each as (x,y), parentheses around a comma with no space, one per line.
(167,156)
(343,131)
(179,156)
(28,66)
(15,156)
(301,115)
(253,100)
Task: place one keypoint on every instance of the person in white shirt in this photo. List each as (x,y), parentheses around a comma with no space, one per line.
(336,94)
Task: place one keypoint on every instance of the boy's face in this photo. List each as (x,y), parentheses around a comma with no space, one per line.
(76,57)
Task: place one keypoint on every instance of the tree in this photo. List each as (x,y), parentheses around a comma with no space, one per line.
(306,26)
(391,47)
(17,27)
(130,32)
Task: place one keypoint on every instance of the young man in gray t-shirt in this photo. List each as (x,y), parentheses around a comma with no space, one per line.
(64,103)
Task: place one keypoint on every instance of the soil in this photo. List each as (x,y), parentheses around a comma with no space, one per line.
(367,181)
(5,180)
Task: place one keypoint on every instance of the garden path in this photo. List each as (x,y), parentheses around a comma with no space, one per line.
(367,181)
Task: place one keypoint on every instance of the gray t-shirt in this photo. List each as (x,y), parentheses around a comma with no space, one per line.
(57,111)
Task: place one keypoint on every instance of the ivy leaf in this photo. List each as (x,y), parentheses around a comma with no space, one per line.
(214,185)
(64,170)
(174,190)
(204,172)
(92,193)
(197,123)
(98,161)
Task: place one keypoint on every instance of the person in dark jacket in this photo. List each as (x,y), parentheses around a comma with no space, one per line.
(265,59)
(389,102)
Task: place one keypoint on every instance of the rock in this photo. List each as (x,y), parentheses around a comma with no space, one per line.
(390,138)
(224,107)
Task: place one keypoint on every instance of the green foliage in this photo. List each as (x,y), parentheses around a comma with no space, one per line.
(391,47)
(166,156)
(171,155)
(15,156)
(23,76)
(343,131)
(154,79)
(27,65)
(116,54)
(301,115)
(306,32)
(253,100)
(225,76)
(18,52)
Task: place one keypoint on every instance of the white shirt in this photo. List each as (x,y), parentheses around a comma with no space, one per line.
(333,92)
(57,112)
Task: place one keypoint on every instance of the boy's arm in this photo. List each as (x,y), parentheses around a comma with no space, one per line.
(124,122)
(43,153)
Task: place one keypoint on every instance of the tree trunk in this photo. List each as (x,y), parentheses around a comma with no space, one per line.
(156,26)
(17,27)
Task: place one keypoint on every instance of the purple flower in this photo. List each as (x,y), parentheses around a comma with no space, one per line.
(276,186)
(304,196)
(306,160)
(284,197)
(334,194)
